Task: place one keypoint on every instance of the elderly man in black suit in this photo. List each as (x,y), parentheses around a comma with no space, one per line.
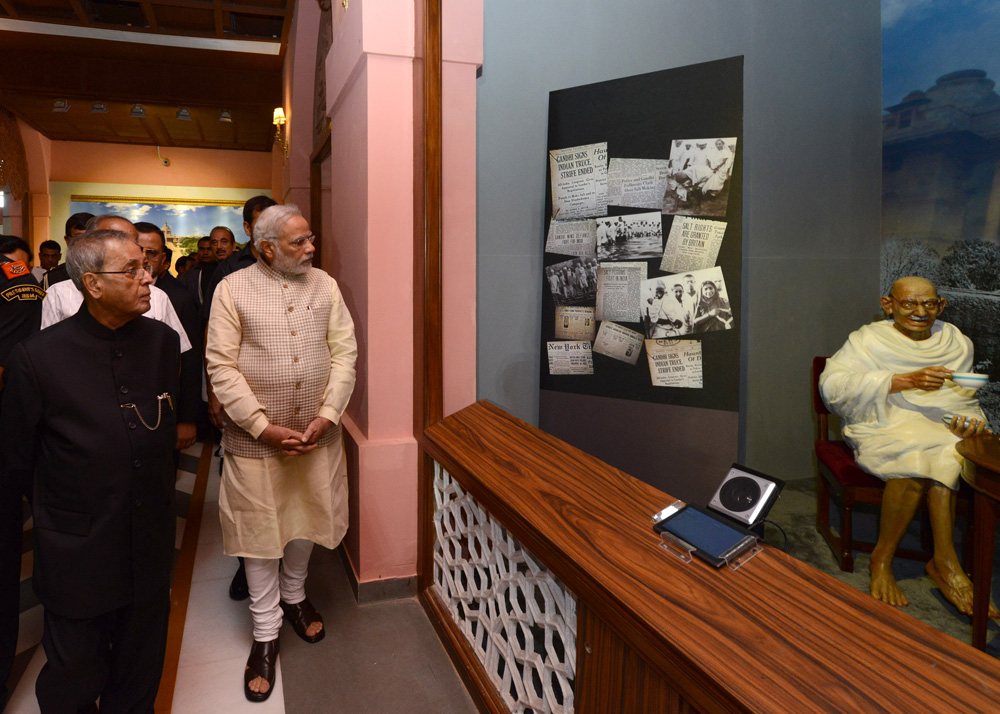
(89,421)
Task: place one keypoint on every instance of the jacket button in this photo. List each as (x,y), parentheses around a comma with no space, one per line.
(138,503)
(123,389)
(295,358)
(293,333)
(290,308)
(137,463)
(298,385)
(297,410)
(118,353)
(131,425)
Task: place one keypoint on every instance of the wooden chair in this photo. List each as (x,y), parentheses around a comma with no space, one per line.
(841,476)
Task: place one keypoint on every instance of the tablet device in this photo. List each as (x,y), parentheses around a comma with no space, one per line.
(705,535)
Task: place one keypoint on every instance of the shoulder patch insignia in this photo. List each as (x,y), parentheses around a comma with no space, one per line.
(22,293)
(15,269)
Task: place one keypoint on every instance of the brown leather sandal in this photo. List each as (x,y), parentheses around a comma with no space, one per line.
(301,615)
(261,663)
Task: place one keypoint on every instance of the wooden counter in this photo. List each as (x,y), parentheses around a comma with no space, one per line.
(657,635)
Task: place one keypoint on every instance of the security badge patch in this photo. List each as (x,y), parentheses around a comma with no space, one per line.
(17,269)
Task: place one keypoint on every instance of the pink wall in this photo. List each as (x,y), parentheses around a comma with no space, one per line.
(370,104)
(125,163)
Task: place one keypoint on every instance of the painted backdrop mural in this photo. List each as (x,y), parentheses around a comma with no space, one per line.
(941,163)
(183,223)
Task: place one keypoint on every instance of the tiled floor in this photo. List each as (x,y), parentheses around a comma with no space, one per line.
(382,657)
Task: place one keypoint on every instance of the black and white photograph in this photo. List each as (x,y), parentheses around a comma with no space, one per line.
(684,305)
(632,237)
(698,180)
(573,282)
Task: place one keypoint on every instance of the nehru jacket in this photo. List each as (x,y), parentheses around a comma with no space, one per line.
(88,421)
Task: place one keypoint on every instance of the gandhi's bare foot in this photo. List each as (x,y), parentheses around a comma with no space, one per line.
(883,585)
(954,585)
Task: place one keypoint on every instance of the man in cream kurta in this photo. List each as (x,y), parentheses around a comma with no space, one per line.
(889,384)
(280,356)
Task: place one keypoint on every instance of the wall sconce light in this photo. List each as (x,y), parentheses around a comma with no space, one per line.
(225,116)
(184,114)
(60,105)
(138,111)
(99,108)
(279,121)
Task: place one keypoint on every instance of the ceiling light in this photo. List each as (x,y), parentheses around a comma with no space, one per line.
(60,105)
(184,114)
(138,111)
(225,116)
(99,108)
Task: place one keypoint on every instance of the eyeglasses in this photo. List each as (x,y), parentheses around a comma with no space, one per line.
(299,242)
(133,273)
(930,305)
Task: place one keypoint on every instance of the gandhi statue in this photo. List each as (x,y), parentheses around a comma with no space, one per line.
(890,385)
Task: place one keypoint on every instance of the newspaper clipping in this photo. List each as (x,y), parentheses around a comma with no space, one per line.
(618,287)
(572,238)
(635,237)
(637,182)
(573,282)
(618,342)
(689,304)
(570,358)
(575,323)
(675,363)
(693,244)
(698,181)
(579,181)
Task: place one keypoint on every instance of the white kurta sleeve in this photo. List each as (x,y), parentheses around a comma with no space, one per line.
(222,351)
(61,300)
(163,310)
(343,355)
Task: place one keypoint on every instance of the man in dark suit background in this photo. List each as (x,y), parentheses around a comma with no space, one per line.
(198,278)
(76,225)
(154,246)
(20,317)
(89,421)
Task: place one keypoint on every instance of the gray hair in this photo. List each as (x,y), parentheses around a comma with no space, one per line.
(88,252)
(271,221)
(94,220)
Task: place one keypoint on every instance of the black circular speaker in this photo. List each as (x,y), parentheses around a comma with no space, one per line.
(739,494)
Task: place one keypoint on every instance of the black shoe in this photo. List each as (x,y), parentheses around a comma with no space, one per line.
(261,663)
(238,589)
(301,615)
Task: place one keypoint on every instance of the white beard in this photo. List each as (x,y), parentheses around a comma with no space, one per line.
(288,265)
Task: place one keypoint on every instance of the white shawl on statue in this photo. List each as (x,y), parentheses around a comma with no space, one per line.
(900,435)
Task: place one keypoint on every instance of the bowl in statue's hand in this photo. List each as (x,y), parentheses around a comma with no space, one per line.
(969,380)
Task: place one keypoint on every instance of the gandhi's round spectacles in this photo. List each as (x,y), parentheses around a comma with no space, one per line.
(133,273)
(912,304)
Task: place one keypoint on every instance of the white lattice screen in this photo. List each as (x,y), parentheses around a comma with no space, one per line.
(518,617)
